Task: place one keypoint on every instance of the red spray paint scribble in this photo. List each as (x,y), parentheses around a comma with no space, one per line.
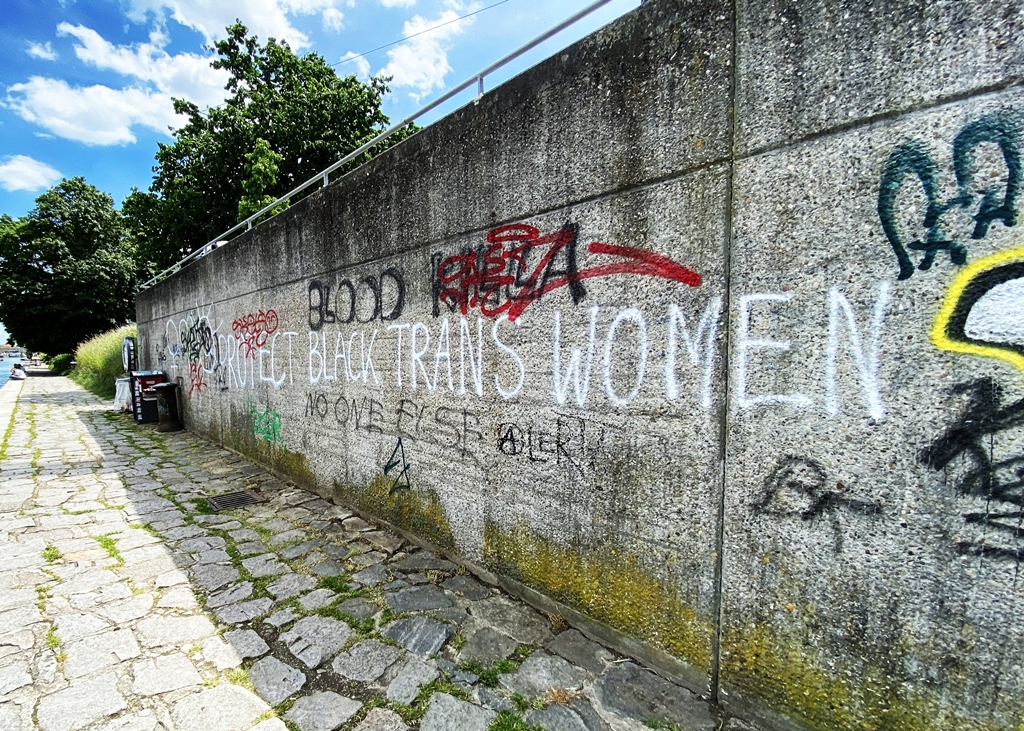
(254,329)
(498,279)
(196,377)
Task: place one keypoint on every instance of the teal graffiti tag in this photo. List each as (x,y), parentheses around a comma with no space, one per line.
(266,424)
(397,460)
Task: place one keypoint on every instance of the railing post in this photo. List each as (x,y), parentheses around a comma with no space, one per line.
(479,85)
(325,179)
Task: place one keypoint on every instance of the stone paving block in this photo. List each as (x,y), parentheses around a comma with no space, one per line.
(631,691)
(214,556)
(317,599)
(250,548)
(290,585)
(271,724)
(387,542)
(446,713)
(315,639)
(178,597)
(214,576)
(164,674)
(324,711)
(267,564)
(290,553)
(514,619)
(72,626)
(171,578)
(372,576)
(423,561)
(220,653)
(540,673)
(125,610)
(467,586)
(96,652)
(245,611)
(359,607)
(13,676)
(486,646)
(368,558)
(176,631)
(87,580)
(244,534)
(365,661)
(577,649)
(407,683)
(382,719)
(226,707)
(329,567)
(230,595)
(80,704)
(420,635)
(288,536)
(418,599)
(275,680)
(246,643)
(556,718)
(281,618)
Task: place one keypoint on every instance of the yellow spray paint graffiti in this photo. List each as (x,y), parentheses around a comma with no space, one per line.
(983,312)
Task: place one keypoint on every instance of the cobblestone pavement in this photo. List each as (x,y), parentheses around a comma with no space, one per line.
(126,604)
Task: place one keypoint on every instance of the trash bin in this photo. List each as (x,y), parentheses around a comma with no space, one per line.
(167,407)
(122,395)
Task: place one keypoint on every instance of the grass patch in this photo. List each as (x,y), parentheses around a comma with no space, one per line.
(51,553)
(240,676)
(203,506)
(337,584)
(508,721)
(109,544)
(42,594)
(53,642)
(98,361)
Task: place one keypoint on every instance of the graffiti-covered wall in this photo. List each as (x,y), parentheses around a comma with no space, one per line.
(709,328)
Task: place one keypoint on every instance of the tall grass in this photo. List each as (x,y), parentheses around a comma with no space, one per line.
(98,361)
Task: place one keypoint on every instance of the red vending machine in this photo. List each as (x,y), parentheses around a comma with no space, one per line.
(143,395)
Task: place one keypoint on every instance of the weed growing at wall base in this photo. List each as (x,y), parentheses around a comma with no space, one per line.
(98,361)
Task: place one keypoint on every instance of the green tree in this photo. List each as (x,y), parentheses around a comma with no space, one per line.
(287,118)
(67,270)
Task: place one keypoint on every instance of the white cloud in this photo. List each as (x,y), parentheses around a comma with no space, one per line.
(265,18)
(42,50)
(360,66)
(397,3)
(95,115)
(20,172)
(421,63)
(186,75)
(333,19)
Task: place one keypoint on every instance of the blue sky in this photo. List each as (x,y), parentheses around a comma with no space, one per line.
(87,84)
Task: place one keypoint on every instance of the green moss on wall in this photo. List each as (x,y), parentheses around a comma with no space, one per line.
(788,677)
(611,588)
(419,512)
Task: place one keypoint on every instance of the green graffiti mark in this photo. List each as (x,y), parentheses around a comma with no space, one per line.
(266,424)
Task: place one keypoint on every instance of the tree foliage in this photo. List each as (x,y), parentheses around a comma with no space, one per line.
(287,118)
(67,271)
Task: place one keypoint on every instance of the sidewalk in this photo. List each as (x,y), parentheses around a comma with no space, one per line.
(126,604)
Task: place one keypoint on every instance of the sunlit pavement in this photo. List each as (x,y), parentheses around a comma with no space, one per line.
(127,604)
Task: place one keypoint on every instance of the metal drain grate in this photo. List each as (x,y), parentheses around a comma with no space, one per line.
(232,500)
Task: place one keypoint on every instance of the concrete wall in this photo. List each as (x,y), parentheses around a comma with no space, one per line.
(707,328)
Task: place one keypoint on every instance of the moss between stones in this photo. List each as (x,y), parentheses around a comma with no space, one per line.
(611,588)
(785,676)
(417,511)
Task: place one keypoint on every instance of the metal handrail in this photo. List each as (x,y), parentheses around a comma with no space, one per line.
(477,78)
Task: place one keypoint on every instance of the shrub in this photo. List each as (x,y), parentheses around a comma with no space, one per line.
(60,364)
(98,361)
